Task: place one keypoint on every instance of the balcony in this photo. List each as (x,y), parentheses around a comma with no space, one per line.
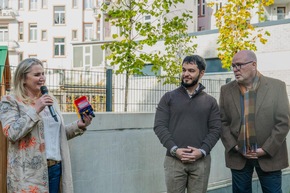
(278,11)
(7,14)
(11,44)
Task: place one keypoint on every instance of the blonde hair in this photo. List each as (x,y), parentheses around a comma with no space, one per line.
(20,73)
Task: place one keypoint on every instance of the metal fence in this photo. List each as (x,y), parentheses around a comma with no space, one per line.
(144,92)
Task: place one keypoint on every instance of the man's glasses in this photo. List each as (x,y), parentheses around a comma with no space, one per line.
(238,66)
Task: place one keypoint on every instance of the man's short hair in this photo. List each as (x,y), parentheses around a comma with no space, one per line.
(196,59)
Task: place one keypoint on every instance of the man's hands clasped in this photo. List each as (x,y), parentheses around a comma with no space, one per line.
(189,154)
(253,155)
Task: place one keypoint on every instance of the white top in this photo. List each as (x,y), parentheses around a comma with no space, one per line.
(51,135)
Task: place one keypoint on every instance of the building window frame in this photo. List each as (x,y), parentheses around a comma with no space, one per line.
(20,56)
(32,5)
(44,4)
(74,35)
(20,31)
(4,33)
(4,4)
(281,12)
(88,32)
(147,18)
(20,4)
(201,6)
(74,4)
(58,47)
(44,35)
(32,32)
(88,4)
(32,56)
(59,15)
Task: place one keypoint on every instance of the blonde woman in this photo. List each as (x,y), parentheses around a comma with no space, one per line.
(38,151)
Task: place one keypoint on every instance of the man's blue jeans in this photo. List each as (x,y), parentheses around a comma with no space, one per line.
(271,182)
(54,174)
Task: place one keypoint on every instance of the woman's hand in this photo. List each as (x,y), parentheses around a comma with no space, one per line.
(87,121)
(40,103)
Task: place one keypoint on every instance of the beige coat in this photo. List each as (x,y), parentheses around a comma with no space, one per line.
(27,166)
(271,122)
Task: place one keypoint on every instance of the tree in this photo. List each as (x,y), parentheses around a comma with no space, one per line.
(127,48)
(235,31)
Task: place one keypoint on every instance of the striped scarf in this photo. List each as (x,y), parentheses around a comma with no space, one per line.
(247,141)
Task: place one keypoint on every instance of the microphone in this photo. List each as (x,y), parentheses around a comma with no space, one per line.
(44,90)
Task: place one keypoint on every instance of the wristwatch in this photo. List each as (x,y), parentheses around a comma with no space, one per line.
(173,151)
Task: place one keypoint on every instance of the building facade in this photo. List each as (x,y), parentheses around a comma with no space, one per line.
(48,29)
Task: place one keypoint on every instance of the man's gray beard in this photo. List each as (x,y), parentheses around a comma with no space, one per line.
(186,85)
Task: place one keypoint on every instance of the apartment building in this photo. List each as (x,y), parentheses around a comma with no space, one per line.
(89,55)
(46,29)
(206,21)
(67,34)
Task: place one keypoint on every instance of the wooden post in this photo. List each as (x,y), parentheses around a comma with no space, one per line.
(4,86)
(3,162)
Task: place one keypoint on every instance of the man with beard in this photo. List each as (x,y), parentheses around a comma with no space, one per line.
(187,123)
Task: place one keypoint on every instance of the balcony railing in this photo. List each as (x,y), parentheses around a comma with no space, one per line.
(7,13)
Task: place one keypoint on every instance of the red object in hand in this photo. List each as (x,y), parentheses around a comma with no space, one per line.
(83,106)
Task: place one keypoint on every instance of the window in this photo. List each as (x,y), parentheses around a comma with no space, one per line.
(32,56)
(33,5)
(32,32)
(74,3)
(4,4)
(20,4)
(147,70)
(88,4)
(98,30)
(20,31)
(20,56)
(88,35)
(97,55)
(218,5)
(107,28)
(281,13)
(59,46)
(74,35)
(59,15)
(107,2)
(99,3)
(88,55)
(44,4)
(147,19)
(214,65)
(44,63)
(77,57)
(43,35)
(3,33)
(201,8)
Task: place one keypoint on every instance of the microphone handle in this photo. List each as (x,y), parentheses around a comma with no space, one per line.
(52,112)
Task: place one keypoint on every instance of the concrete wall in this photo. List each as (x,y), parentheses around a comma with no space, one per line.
(120,153)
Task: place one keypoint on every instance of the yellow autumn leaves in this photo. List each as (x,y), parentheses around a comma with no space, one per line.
(235,30)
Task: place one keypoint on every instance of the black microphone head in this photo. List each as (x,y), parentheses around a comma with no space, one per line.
(44,90)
